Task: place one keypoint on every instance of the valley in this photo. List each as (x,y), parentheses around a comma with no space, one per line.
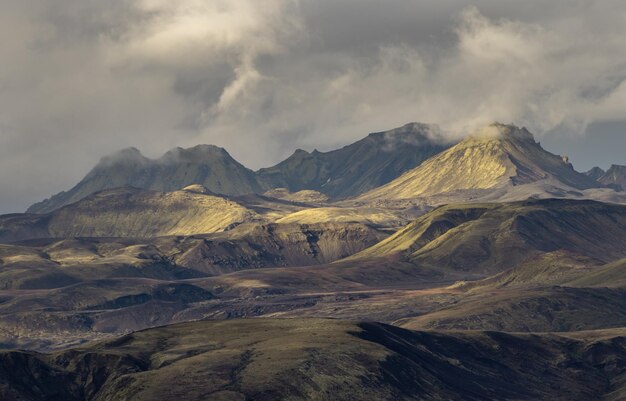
(491,261)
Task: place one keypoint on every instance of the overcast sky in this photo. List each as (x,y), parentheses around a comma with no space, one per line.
(82,78)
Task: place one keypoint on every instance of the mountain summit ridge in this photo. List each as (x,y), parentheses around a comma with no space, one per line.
(207,165)
(495,156)
(358,167)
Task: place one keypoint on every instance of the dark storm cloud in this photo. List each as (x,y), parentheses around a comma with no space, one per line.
(79,79)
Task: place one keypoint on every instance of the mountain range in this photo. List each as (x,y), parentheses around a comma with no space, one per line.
(349,171)
(399,267)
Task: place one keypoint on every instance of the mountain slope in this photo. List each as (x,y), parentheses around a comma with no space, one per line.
(489,238)
(610,275)
(553,309)
(129,212)
(356,168)
(206,165)
(614,177)
(316,359)
(500,156)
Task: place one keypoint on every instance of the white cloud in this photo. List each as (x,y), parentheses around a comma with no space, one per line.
(81,79)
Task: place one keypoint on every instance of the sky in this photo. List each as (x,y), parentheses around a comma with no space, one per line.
(80,79)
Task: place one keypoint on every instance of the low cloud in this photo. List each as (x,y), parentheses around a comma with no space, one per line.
(82,79)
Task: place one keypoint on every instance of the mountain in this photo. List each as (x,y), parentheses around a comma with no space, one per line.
(614,177)
(319,359)
(359,167)
(595,173)
(498,157)
(490,238)
(351,170)
(130,212)
(207,165)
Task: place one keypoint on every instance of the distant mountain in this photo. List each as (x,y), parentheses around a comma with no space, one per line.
(499,157)
(614,177)
(595,173)
(351,170)
(207,165)
(359,167)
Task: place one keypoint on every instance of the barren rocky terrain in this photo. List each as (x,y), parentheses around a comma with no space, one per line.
(492,270)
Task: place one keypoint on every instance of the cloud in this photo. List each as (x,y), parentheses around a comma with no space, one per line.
(82,79)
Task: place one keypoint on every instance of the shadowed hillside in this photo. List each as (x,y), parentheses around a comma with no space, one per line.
(359,167)
(53,263)
(297,359)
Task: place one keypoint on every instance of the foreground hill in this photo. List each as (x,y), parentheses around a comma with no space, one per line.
(489,238)
(499,157)
(205,165)
(359,167)
(299,359)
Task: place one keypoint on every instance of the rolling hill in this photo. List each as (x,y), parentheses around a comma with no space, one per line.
(548,309)
(130,212)
(304,359)
(53,263)
(490,238)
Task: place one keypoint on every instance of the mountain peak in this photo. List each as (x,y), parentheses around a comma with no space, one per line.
(496,157)
(130,155)
(358,167)
(595,173)
(412,133)
(616,167)
(614,177)
(505,132)
(299,153)
(206,165)
(198,153)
